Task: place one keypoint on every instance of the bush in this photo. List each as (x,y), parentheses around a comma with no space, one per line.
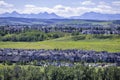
(78,72)
(79,37)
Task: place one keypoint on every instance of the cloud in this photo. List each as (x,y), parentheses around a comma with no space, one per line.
(87,3)
(107,8)
(67,11)
(104,8)
(34,9)
(5,7)
(61,10)
(116,3)
(4,4)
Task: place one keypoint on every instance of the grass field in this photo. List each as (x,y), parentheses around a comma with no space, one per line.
(65,43)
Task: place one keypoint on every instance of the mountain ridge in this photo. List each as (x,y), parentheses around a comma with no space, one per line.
(46,15)
(97,16)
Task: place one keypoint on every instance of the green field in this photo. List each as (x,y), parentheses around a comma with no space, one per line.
(64,43)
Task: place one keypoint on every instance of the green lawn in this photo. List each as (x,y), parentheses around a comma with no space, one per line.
(98,45)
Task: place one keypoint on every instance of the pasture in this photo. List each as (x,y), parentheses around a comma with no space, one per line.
(110,45)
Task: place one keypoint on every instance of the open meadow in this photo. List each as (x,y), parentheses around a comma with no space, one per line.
(110,45)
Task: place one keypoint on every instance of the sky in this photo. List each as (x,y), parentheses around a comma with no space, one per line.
(65,8)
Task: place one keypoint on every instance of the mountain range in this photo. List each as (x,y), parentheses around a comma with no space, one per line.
(97,16)
(45,15)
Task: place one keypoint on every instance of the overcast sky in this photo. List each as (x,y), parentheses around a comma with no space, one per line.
(64,8)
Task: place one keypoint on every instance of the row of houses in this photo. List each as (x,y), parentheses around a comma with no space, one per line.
(57,63)
(71,55)
(100,32)
(63,28)
(100,64)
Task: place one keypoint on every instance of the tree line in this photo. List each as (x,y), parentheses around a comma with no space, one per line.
(94,36)
(32,35)
(77,72)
